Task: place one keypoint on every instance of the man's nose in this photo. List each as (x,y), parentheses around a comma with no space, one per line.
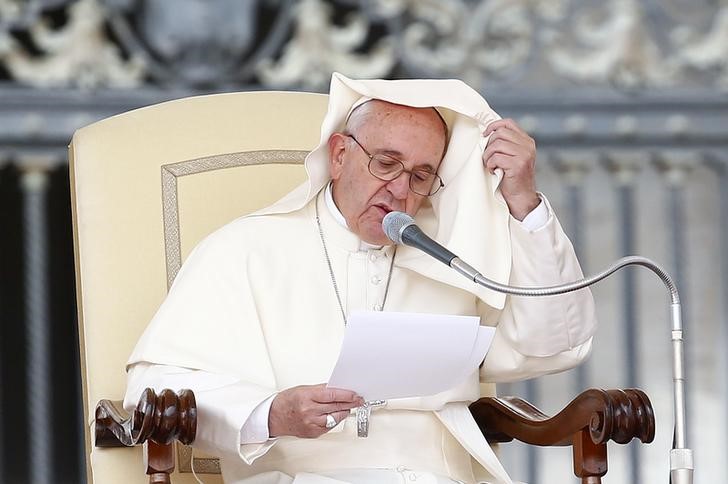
(399,187)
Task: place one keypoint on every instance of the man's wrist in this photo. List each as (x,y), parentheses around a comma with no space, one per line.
(538,217)
(520,207)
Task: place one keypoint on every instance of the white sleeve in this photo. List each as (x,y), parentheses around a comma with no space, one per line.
(224,405)
(255,429)
(539,335)
(536,218)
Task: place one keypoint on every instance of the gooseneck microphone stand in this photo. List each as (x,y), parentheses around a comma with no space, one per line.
(401,229)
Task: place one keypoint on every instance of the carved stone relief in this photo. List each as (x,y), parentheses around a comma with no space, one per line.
(475,41)
(632,44)
(318,48)
(78,54)
(619,44)
(196,42)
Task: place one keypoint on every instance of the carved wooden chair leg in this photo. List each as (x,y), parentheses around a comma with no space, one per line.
(160,462)
(590,459)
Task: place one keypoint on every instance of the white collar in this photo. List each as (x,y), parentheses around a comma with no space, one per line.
(331,205)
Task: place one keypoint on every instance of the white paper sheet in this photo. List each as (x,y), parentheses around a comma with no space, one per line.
(396,355)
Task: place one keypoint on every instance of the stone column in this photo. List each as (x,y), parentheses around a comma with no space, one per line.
(720,167)
(3,161)
(573,166)
(34,183)
(625,166)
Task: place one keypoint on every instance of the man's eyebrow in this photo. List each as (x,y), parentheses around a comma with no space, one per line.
(392,153)
(427,167)
(400,157)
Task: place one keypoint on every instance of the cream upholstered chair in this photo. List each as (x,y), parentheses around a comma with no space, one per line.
(147,185)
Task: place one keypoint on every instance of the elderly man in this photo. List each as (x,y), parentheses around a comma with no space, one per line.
(260,306)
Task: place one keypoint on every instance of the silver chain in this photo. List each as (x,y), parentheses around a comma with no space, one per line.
(331,269)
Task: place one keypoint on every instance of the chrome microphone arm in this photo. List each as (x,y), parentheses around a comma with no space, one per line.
(681,457)
(401,229)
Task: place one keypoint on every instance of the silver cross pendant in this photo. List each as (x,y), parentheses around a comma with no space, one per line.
(362,416)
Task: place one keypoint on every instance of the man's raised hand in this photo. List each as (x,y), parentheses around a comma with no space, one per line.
(514,151)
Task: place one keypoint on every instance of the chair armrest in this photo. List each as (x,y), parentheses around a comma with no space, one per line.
(587,423)
(157,420)
(161,418)
(618,415)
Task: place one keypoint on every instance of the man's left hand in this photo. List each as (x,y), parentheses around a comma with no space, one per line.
(514,151)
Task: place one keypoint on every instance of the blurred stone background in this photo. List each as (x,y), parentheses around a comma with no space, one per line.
(627,99)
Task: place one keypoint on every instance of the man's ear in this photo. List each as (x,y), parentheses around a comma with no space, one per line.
(337,147)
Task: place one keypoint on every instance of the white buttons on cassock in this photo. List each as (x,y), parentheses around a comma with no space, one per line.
(376,279)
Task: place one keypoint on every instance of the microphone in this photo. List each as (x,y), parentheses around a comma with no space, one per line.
(400,228)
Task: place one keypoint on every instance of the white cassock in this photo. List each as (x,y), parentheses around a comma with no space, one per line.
(253,310)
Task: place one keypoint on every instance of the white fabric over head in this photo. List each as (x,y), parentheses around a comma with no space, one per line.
(468,215)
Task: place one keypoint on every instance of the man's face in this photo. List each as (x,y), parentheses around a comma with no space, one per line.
(414,136)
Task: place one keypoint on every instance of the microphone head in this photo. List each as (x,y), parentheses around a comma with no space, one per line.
(394,223)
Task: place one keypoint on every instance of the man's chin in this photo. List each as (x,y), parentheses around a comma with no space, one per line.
(376,237)
(378,241)
(371,230)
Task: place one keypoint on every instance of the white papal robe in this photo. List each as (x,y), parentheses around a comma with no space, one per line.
(269,320)
(254,306)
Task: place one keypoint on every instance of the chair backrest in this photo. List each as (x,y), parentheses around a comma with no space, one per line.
(146,186)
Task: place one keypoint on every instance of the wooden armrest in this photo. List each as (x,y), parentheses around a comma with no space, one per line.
(618,415)
(161,418)
(158,420)
(587,423)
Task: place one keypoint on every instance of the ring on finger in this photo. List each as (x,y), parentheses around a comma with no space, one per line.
(330,421)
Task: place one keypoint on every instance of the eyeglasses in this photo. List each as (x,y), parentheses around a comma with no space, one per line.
(386,168)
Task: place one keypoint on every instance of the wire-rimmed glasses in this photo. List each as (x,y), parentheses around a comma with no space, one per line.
(421,181)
